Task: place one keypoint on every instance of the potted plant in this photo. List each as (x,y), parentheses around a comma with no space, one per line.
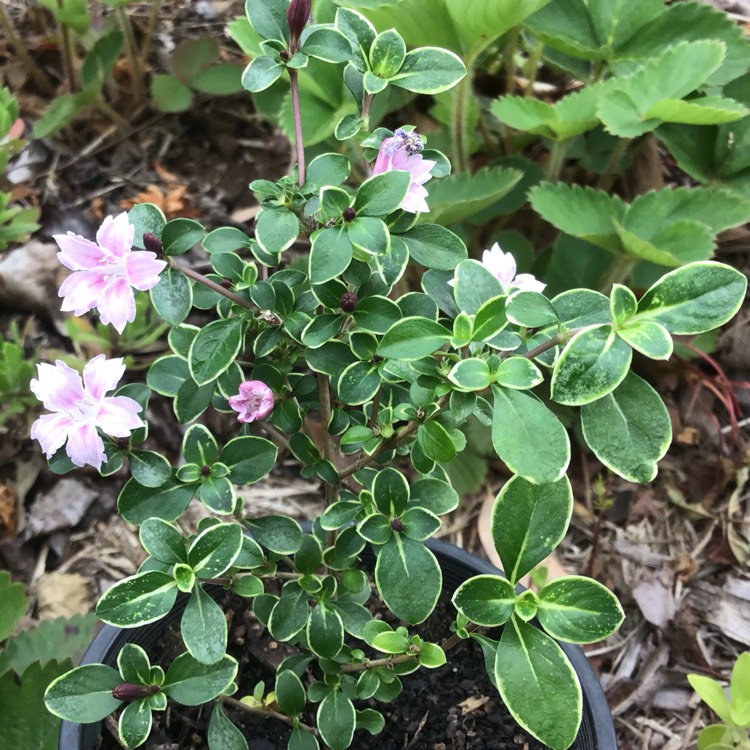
(391,375)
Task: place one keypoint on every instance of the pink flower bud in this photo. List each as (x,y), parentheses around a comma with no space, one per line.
(253,402)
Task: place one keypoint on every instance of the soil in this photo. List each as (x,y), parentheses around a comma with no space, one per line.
(455,707)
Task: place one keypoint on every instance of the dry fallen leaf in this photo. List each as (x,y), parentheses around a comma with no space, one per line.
(63,507)
(655,601)
(62,595)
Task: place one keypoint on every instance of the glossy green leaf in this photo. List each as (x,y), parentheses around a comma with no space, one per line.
(222,733)
(336,720)
(214,550)
(434,246)
(429,70)
(214,349)
(485,599)
(520,420)
(413,338)
(172,297)
(249,458)
(279,534)
(471,374)
(649,338)
(593,363)
(390,491)
(204,627)
(325,631)
(163,541)
(695,298)
(629,430)
(290,694)
(84,694)
(578,610)
(381,194)
(532,671)
(191,683)
(134,726)
(528,522)
(137,600)
(137,503)
(408,578)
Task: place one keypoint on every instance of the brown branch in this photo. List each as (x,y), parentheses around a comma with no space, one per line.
(396,441)
(218,288)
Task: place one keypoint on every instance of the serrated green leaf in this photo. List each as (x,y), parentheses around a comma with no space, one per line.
(458,197)
(60,639)
(13,597)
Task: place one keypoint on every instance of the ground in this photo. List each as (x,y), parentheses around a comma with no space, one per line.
(676,552)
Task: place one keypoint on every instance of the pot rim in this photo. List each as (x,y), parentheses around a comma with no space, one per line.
(597,730)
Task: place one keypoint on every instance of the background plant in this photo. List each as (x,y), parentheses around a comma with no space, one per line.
(733,712)
(392,375)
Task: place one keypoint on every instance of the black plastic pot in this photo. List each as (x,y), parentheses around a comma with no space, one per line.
(597,728)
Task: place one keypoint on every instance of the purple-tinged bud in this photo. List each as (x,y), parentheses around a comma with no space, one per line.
(128,692)
(122,443)
(349,214)
(297,16)
(397,524)
(348,302)
(152,243)
(284,55)
(226,283)
(205,470)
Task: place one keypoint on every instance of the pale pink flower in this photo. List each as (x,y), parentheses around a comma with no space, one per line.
(402,152)
(503,267)
(106,271)
(79,407)
(254,401)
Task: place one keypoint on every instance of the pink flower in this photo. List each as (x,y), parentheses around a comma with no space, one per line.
(254,401)
(106,271)
(402,152)
(80,407)
(503,266)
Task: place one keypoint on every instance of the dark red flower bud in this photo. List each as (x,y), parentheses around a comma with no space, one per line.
(348,302)
(205,470)
(284,55)
(128,692)
(152,243)
(297,16)
(397,524)
(122,443)
(349,214)
(226,283)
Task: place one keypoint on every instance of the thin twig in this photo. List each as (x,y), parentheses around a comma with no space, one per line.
(218,288)
(397,440)
(136,71)
(298,139)
(266,713)
(152,19)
